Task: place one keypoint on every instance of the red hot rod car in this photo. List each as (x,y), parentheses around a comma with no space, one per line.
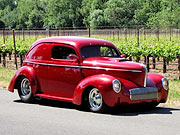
(86,70)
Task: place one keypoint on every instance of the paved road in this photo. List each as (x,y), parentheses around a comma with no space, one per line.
(52,117)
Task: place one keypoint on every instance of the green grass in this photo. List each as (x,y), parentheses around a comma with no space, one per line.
(174,92)
(6,74)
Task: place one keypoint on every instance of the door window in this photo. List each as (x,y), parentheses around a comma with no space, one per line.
(59,52)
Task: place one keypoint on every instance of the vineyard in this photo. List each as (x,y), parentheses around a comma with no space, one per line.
(154,48)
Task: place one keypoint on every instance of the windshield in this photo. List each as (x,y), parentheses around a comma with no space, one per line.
(98,51)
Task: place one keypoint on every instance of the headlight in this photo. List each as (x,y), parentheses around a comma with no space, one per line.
(116,85)
(165,83)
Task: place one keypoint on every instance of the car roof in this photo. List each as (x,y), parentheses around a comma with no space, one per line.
(77,42)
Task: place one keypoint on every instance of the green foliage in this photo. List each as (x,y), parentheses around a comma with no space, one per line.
(63,13)
(92,10)
(55,14)
(97,19)
(120,12)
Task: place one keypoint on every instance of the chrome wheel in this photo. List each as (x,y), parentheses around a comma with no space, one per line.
(24,90)
(95,100)
(25,87)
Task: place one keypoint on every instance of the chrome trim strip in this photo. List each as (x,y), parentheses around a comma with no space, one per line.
(70,66)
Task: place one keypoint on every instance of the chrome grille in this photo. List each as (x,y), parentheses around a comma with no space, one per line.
(143,93)
(145,77)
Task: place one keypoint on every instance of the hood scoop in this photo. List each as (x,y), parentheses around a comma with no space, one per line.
(119,59)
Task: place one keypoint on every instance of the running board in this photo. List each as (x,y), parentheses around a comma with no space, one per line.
(54,97)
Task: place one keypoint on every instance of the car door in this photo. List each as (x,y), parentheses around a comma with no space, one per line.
(63,73)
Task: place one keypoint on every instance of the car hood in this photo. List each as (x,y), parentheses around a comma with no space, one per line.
(118,67)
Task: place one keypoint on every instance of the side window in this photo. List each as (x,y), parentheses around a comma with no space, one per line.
(59,52)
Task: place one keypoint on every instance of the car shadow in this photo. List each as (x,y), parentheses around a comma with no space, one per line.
(128,110)
(51,103)
(141,110)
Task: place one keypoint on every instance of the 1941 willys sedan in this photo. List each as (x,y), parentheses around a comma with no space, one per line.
(86,70)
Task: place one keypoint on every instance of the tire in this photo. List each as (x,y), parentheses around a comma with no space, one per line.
(24,90)
(95,101)
(153,105)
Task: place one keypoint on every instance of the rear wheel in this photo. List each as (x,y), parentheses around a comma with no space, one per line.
(24,90)
(95,101)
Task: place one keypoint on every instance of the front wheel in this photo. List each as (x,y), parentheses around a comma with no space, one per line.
(153,105)
(24,90)
(95,101)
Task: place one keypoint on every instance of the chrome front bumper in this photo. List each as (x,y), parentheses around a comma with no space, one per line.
(143,93)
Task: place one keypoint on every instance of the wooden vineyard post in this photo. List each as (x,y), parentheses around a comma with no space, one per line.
(164,65)
(58,32)
(179,65)
(23,35)
(144,34)
(154,62)
(170,33)
(118,34)
(15,56)
(89,32)
(49,33)
(130,58)
(126,34)
(158,34)
(147,63)
(10,55)
(144,59)
(4,37)
(21,59)
(138,35)
(4,59)
(113,35)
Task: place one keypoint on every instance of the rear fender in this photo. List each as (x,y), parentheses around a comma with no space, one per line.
(102,82)
(27,72)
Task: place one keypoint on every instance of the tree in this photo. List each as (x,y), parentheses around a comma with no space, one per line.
(97,19)
(90,11)
(168,16)
(29,14)
(35,19)
(65,13)
(146,10)
(120,12)
(11,3)
(7,10)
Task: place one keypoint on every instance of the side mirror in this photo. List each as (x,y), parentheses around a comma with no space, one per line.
(123,56)
(73,57)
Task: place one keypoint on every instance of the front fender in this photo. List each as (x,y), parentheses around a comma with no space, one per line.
(155,80)
(102,82)
(24,71)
